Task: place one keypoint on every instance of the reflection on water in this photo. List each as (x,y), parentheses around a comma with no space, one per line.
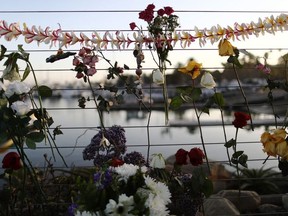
(80,125)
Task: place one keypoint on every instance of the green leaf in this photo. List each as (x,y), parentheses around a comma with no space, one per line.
(189,94)
(3,51)
(36,136)
(45,91)
(237,154)
(25,56)
(207,187)
(243,160)
(176,102)
(30,143)
(219,99)
(26,72)
(230,143)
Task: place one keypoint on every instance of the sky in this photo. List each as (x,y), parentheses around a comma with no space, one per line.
(81,22)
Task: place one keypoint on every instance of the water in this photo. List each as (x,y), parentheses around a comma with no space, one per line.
(79,126)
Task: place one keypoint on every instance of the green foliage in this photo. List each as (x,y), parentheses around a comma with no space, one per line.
(263,181)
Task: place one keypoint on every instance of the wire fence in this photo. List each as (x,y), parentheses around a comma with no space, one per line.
(145,129)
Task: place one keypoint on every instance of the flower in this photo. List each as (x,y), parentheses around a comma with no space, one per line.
(157,76)
(156,205)
(275,144)
(207,81)
(263,68)
(115,162)
(181,157)
(158,189)
(240,119)
(225,48)
(147,14)
(10,73)
(135,158)
(132,25)
(126,170)
(17,87)
(193,69)
(168,10)
(157,161)
(123,207)
(20,108)
(12,161)
(196,156)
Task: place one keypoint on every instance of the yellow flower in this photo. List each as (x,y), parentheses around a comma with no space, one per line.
(269,146)
(193,69)
(225,48)
(5,145)
(275,144)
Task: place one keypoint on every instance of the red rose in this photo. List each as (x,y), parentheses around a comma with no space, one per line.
(181,157)
(116,162)
(168,10)
(132,25)
(150,7)
(146,15)
(240,119)
(196,156)
(161,12)
(12,160)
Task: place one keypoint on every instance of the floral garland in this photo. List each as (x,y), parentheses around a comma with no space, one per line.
(119,41)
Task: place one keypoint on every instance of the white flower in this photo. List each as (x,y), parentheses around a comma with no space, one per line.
(16,87)
(124,205)
(11,74)
(159,189)
(207,81)
(156,205)
(126,170)
(158,77)
(85,213)
(20,108)
(104,142)
(158,161)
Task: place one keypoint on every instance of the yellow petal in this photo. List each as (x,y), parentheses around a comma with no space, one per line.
(5,146)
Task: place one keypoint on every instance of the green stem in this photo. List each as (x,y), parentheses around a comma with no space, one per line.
(201,137)
(244,96)
(96,104)
(237,164)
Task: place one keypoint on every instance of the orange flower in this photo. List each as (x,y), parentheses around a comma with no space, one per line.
(225,48)
(193,69)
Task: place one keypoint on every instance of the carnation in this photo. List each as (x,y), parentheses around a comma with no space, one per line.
(17,87)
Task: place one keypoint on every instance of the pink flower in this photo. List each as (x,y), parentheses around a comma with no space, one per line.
(91,71)
(79,75)
(87,60)
(168,10)
(82,52)
(161,12)
(76,61)
(132,25)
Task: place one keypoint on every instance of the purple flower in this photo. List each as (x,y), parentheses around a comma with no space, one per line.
(101,154)
(135,158)
(71,209)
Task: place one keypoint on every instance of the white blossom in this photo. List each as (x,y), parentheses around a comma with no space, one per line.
(20,108)
(158,77)
(207,81)
(126,170)
(157,161)
(122,208)
(17,87)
